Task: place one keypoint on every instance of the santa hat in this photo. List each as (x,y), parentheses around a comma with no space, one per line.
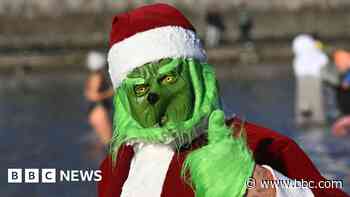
(148,34)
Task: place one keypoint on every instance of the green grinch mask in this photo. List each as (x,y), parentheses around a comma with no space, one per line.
(163,100)
(165,94)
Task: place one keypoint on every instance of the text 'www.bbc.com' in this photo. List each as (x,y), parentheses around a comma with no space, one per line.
(288,183)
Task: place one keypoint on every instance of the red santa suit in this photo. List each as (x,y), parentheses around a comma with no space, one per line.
(268,147)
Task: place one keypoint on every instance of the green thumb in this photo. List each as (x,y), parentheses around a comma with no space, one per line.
(217,129)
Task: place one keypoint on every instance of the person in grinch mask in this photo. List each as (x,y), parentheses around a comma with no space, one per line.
(170,134)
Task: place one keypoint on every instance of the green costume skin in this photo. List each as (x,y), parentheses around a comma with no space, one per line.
(169,100)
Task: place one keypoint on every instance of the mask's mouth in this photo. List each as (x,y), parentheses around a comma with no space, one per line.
(163,120)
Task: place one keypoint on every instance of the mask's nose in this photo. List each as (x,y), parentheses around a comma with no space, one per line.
(152,98)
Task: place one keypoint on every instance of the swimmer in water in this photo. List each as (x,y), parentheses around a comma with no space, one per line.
(98,93)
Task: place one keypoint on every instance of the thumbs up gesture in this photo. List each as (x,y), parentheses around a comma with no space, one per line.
(224,165)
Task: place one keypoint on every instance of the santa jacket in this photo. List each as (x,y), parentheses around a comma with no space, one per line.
(268,147)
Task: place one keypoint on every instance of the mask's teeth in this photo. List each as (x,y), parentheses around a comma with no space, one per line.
(163,119)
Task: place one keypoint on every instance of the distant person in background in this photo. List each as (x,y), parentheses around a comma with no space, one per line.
(246,24)
(342,62)
(215,27)
(98,93)
(308,62)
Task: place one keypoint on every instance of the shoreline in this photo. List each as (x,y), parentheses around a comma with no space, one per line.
(57,58)
(75,59)
(261,71)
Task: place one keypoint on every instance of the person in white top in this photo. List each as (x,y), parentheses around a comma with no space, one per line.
(307,64)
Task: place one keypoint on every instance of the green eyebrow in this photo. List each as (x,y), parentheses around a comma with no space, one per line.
(133,81)
(169,67)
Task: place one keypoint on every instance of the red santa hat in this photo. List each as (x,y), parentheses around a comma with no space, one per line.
(148,34)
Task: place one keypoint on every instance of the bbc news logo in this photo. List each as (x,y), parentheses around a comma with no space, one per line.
(51,175)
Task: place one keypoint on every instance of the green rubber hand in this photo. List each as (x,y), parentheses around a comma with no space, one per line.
(223,166)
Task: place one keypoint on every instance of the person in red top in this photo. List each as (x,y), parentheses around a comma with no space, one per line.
(170,135)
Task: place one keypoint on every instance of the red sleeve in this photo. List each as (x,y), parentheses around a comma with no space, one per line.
(104,187)
(285,156)
(113,176)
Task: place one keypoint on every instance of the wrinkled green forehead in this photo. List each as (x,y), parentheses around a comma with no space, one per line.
(161,67)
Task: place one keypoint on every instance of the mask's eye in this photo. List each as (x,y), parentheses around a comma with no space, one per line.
(168,79)
(141,89)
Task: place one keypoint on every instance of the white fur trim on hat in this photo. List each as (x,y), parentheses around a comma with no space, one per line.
(152,45)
